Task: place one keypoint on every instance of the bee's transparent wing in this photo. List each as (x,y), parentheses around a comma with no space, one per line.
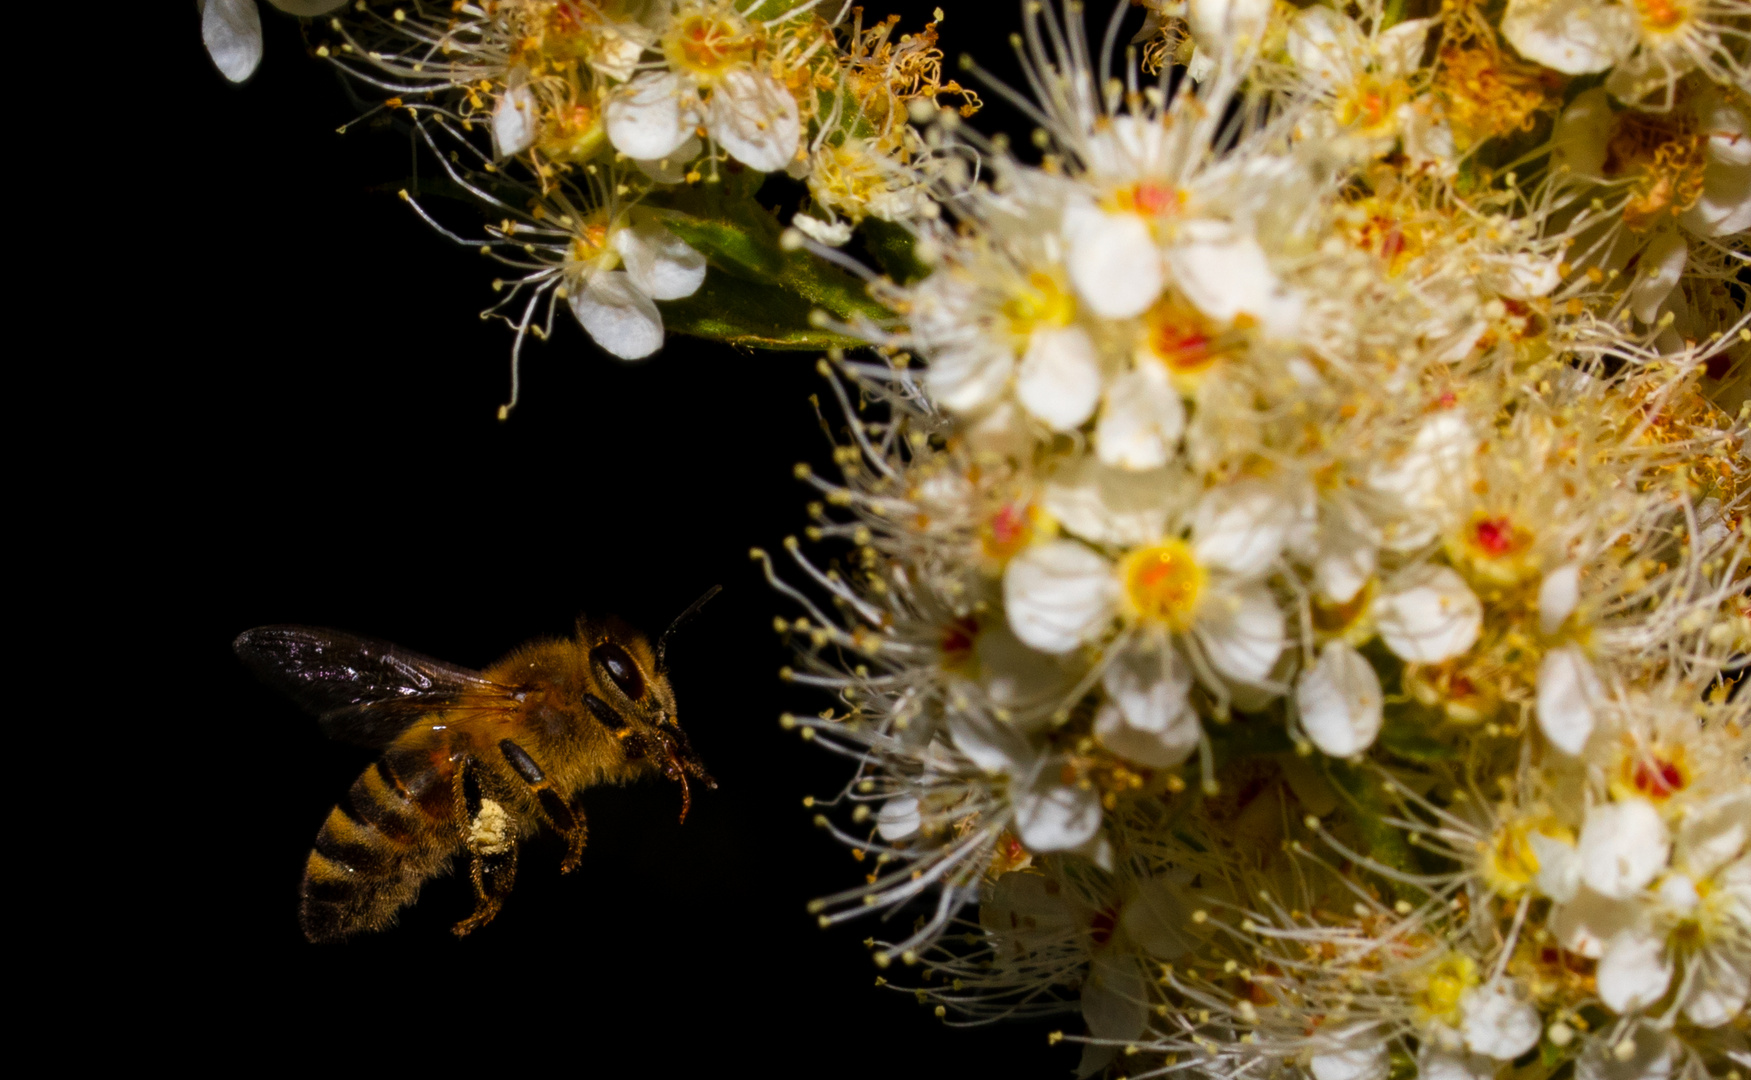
(362,691)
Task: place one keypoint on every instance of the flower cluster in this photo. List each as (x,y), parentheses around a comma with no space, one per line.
(617,146)
(1297,562)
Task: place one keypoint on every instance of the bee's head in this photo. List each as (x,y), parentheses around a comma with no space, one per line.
(630,696)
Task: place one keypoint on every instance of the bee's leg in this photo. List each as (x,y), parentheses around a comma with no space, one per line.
(567,818)
(491,846)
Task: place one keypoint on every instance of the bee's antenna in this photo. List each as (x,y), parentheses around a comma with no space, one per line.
(681,620)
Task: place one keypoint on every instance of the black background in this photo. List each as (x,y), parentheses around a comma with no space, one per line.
(297,424)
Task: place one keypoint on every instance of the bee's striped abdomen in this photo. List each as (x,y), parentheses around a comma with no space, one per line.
(394,829)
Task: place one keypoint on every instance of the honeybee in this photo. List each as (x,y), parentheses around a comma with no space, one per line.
(472,760)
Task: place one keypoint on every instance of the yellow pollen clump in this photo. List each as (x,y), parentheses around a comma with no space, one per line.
(1665,160)
(1440,994)
(1484,91)
(1041,303)
(1163,583)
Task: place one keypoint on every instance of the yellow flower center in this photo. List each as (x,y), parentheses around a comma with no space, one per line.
(1163,583)
(707,44)
(1042,302)
(1661,16)
(1372,103)
(1438,999)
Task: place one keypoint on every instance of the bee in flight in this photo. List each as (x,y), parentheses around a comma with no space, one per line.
(472,760)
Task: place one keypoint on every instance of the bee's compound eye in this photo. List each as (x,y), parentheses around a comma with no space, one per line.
(604,713)
(615,660)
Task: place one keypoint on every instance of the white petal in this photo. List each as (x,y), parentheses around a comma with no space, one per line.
(1156,919)
(616,53)
(1242,633)
(1113,262)
(1635,970)
(1056,817)
(1029,908)
(1499,1021)
(618,314)
(1715,833)
(1429,617)
(1558,594)
(1363,1055)
(1650,1054)
(899,818)
(1569,695)
(1149,683)
(994,747)
(1340,571)
(673,168)
(231,30)
(1111,506)
(1662,263)
(650,117)
(1015,676)
(1725,205)
(1114,1006)
(1434,1063)
(1720,987)
(1140,421)
(1241,527)
(1559,866)
(1623,846)
(515,120)
(1576,37)
(1728,127)
(754,117)
(1225,276)
(1582,132)
(830,233)
(1399,50)
(1525,277)
(1325,45)
(1156,749)
(1340,701)
(1058,594)
(659,262)
(1586,923)
(1217,22)
(969,376)
(1058,380)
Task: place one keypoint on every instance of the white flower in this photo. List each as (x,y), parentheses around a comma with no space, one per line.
(231,30)
(615,305)
(1569,696)
(1225,273)
(1428,615)
(1642,1052)
(1424,478)
(1623,845)
(1340,701)
(1634,971)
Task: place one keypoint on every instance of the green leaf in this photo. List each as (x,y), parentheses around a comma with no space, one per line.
(741,312)
(1407,738)
(1369,802)
(740,237)
(891,247)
